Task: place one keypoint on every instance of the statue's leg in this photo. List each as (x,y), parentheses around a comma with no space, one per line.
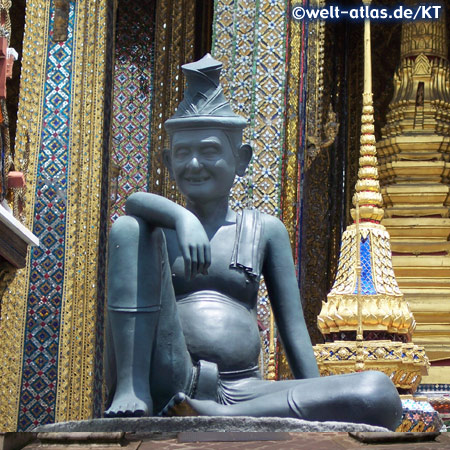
(172,368)
(149,362)
(134,297)
(367,397)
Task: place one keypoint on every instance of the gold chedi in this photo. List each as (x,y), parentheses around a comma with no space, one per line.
(366,322)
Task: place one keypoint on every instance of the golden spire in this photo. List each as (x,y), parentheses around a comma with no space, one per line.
(366,322)
(368,193)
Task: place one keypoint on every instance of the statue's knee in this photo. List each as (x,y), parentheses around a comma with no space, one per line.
(132,229)
(380,402)
(134,267)
(375,382)
(125,227)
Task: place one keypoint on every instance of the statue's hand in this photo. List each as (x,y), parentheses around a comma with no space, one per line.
(194,245)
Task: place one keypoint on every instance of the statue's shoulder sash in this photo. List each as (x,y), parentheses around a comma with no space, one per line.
(247,251)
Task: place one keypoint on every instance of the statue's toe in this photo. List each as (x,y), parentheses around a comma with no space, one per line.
(134,409)
(178,405)
(179,398)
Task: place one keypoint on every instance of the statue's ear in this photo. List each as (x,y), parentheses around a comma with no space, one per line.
(244,155)
(167,158)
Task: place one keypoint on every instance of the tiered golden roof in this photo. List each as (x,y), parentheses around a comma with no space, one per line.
(365,302)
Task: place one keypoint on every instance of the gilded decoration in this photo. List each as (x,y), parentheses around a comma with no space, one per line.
(414,168)
(74,397)
(314,188)
(14,301)
(403,363)
(293,134)
(291,168)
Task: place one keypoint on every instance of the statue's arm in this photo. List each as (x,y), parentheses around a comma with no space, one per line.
(282,286)
(192,239)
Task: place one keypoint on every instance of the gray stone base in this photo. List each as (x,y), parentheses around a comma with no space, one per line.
(174,425)
(13,441)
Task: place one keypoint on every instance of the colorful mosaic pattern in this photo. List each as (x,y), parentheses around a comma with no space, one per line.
(39,373)
(367,287)
(419,416)
(377,273)
(28,136)
(104,215)
(76,366)
(438,387)
(48,328)
(133,84)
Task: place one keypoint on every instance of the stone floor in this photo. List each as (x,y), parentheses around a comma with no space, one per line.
(306,441)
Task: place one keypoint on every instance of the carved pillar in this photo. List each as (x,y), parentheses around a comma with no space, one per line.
(414,156)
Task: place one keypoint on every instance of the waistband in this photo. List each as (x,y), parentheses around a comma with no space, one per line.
(253,372)
(211,296)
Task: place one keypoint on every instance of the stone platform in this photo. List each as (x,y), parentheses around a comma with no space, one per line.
(159,426)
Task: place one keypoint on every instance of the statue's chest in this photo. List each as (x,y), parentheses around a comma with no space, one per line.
(221,277)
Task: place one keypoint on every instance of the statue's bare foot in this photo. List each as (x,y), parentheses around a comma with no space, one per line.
(182,405)
(128,406)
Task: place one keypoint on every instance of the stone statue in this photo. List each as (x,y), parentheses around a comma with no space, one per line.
(183,283)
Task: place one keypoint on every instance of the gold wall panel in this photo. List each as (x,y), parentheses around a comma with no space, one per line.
(77,339)
(29,127)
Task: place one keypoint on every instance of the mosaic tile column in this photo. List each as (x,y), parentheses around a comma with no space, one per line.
(132,102)
(48,329)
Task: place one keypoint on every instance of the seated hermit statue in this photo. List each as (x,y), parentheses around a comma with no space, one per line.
(183,284)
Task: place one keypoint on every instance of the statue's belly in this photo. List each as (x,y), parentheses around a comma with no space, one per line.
(220,330)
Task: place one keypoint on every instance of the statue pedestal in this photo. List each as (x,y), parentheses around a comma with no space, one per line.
(160,426)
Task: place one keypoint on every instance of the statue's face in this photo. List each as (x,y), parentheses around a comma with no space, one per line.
(202,163)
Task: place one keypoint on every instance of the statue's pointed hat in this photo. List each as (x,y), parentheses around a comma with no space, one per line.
(204,103)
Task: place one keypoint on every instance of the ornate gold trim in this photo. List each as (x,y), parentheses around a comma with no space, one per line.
(78,318)
(403,363)
(14,301)
(291,179)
